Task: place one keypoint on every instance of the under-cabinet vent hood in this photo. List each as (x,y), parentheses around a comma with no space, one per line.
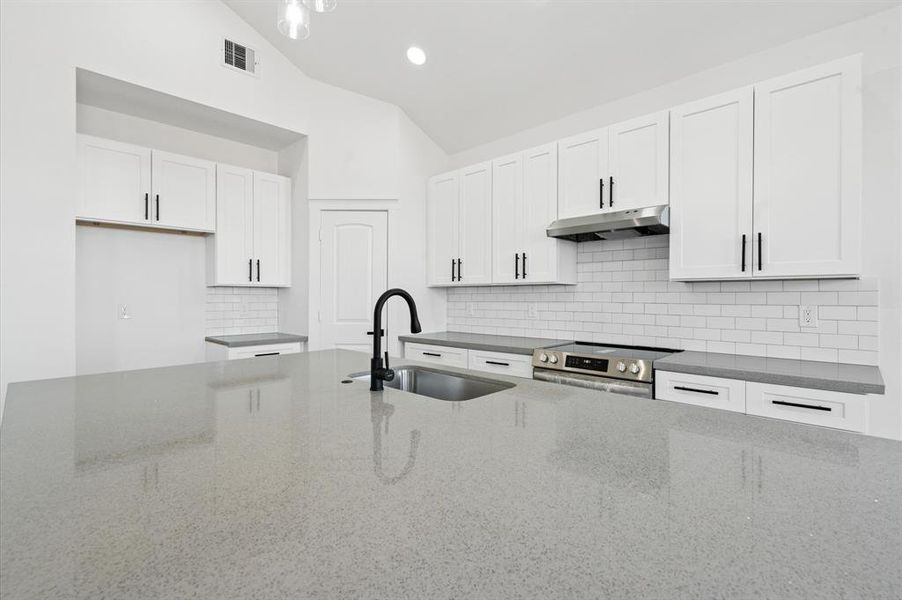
(636,222)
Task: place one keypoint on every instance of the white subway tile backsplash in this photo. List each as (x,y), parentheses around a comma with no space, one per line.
(236,310)
(624,296)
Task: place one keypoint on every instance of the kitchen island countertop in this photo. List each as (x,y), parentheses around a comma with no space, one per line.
(270,478)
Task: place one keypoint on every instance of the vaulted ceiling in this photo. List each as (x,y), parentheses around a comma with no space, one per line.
(496,67)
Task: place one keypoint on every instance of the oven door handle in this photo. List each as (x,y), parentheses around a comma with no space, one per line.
(594,382)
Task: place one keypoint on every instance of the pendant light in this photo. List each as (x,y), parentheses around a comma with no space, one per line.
(321,6)
(294,19)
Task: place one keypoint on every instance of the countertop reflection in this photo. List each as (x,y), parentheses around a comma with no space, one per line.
(269,478)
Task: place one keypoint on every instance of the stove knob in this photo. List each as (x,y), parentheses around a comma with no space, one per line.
(634,369)
(553,359)
(543,357)
(621,366)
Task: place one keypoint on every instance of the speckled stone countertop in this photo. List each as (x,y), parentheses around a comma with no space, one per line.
(255,339)
(268,478)
(481,341)
(855,379)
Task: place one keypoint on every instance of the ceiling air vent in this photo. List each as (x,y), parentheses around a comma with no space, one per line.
(239,57)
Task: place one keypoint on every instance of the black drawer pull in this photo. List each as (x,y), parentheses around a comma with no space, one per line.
(431,354)
(797,405)
(268,354)
(696,390)
(500,364)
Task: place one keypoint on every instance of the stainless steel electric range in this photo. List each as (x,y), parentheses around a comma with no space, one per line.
(618,369)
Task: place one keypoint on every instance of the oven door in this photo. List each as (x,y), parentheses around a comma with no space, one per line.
(594,382)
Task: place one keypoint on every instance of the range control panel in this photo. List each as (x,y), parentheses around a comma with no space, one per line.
(586,363)
(612,366)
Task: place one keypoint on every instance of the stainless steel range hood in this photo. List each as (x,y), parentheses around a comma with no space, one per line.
(637,222)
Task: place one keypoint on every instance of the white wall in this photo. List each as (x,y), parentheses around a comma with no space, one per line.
(878,39)
(160,277)
(171,47)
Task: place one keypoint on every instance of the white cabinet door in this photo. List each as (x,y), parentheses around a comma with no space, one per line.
(711,187)
(507,193)
(537,210)
(442,214)
(272,230)
(583,172)
(808,172)
(115,181)
(815,407)
(638,163)
(232,246)
(475,238)
(184,192)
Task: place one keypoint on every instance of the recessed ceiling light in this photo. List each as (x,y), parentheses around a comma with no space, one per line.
(416,55)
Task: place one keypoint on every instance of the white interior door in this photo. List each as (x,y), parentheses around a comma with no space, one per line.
(538,210)
(353,274)
(638,163)
(271,228)
(808,171)
(184,192)
(711,187)
(234,248)
(507,192)
(582,185)
(442,222)
(115,181)
(475,229)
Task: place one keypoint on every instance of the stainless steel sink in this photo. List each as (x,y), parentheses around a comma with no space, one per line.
(440,384)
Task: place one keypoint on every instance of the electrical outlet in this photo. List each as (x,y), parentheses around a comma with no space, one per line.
(471,309)
(122,311)
(808,315)
(532,311)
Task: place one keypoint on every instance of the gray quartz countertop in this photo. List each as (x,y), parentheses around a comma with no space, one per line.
(255,339)
(480,341)
(269,478)
(856,379)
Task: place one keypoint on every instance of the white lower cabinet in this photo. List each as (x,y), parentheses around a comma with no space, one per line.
(815,407)
(441,355)
(712,392)
(803,405)
(516,365)
(220,352)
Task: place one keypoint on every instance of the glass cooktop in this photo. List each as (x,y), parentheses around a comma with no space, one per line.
(633,352)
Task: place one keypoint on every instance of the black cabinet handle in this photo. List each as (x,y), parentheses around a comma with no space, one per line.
(431,354)
(524,265)
(759,250)
(696,390)
(158,206)
(500,364)
(516,266)
(743,253)
(250,269)
(146,206)
(459,270)
(611,193)
(258,270)
(796,404)
(452,270)
(268,354)
(601,193)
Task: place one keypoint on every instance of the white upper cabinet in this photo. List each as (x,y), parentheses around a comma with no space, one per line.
(524,196)
(638,163)
(184,192)
(442,216)
(808,172)
(252,244)
(711,187)
(475,225)
(114,181)
(131,185)
(766,181)
(583,173)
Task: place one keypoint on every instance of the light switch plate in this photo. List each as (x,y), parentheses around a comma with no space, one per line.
(808,315)
(532,311)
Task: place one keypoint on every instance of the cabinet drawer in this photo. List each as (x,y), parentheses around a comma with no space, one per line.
(815,407)
(712,392)
(266,350)
(517,365)
(443,355)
